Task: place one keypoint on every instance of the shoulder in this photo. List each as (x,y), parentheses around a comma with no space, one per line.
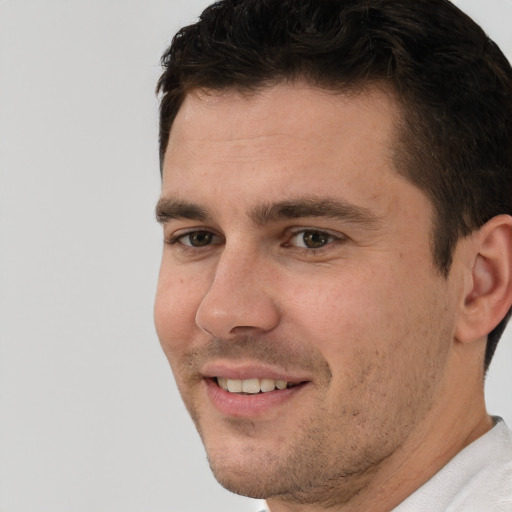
(478,478)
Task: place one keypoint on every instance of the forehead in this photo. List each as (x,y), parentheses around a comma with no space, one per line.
(300,110)
(288,140)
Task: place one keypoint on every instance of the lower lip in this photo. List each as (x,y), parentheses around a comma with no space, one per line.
(244,406)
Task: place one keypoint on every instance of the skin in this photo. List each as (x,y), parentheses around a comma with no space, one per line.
(364,321)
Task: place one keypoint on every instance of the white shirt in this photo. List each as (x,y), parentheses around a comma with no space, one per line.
(477,479)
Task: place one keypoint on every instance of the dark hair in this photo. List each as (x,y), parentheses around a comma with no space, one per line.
(453,84)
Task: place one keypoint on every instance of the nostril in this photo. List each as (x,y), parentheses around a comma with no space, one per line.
(244,312)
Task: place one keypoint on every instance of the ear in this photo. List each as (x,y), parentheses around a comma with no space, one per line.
(489,294)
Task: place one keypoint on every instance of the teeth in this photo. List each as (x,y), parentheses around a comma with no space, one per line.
(281,384)
(267,385)
(251,386)
(234,385)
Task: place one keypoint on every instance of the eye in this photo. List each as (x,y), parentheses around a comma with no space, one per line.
(311,239)
(198,239)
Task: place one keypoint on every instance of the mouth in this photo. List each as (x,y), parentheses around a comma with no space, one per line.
(253,386)
(252,397)
(252,390)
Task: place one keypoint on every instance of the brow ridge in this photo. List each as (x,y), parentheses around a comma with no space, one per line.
(174,208)
(313,207)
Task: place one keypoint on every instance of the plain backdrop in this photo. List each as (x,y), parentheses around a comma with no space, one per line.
(90,420)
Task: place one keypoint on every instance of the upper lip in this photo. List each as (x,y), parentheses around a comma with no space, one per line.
(249,371)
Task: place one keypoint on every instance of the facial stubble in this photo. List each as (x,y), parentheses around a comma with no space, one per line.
(307,469)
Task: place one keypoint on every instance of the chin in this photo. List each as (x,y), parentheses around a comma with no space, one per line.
(245,479)
(260,481)
(245,467)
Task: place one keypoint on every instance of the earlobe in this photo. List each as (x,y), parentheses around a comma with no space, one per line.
(490,295)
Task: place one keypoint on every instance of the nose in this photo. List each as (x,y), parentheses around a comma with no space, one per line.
(239,300)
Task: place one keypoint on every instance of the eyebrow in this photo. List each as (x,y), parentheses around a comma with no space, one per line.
(173,208)
(313,207)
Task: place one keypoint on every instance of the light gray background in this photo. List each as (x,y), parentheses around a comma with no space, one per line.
(89,417)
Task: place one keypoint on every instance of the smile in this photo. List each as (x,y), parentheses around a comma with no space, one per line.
(252,386)
(252,397)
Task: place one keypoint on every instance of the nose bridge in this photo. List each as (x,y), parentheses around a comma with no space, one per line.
(239,298)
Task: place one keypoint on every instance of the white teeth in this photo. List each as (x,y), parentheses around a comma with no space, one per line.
(267,385)
(251,386)
(234,385)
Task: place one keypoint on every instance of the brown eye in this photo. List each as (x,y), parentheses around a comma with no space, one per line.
(311,239)
(315,239)
(198,238)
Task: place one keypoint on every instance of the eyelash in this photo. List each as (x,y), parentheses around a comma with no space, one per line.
(332,240)
(175,239)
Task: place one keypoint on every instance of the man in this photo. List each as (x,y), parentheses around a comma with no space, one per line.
(337,267)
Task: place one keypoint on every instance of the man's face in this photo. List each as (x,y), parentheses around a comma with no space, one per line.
(297,257)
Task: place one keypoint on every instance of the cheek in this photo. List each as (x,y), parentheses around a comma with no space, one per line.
(358,318)
(176,302)
(341,307)
(390,336)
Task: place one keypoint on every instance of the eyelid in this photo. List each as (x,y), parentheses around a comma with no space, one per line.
(176,237)
(334,237)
